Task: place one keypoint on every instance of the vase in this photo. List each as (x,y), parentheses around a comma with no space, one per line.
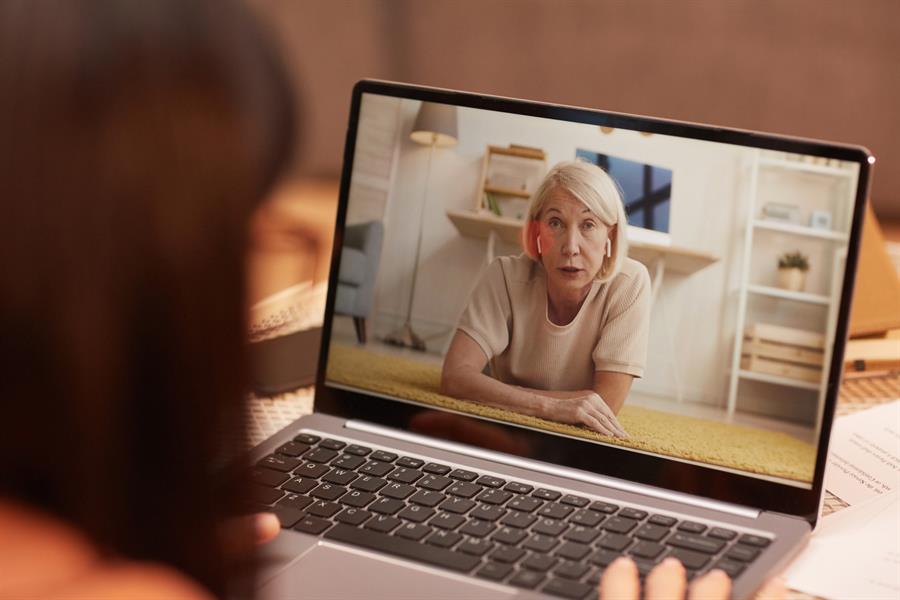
(792,279)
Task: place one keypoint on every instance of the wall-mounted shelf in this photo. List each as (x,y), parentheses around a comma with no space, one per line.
(763,290)
(806,385)
(793,165)
(789,228)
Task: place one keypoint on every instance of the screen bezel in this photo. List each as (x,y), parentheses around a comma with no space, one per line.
(609,460)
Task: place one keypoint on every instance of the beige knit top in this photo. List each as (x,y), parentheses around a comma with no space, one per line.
(507,316)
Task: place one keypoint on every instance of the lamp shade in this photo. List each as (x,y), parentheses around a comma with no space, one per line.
(435,125)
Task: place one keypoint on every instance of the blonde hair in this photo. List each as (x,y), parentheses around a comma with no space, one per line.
(594,188)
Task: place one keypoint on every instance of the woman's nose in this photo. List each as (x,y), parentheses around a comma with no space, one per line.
(570,243)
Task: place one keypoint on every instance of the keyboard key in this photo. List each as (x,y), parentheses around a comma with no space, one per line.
(295,501)
(582,535)
(340,476)
(357,498)
(332,444)
(353,516)
(414,531)
(555,511)
(691,527)
(376,468)
(416,514)
(525,503)
(383,523)
(754,540)
(571,570)
(293,449)
(436,469)
(278,462)
(573,550)
(409,462)
(313,525)
(457,505)
(576,501)
(518,519)
(603,507)
(731,567)
(489,481)
(436,483)
(494,496)
(518,488)
(486,512)
(399,491)
(494,571)
(540,543)
(357,450)
(323,508)
(305,438)
(267,477)
(382,456)
(651,532)
(327,491)
(567,589)
(539,562)
(619,524)
(311,469)
(348,462)
(615,541)
(477,528)
(463,489)
(475,547)
(463,475)
(368,483)
(662,520)
(386,506)
(696,543)
(632,513)
(320,455)
(288,517)
(403,548)
(447,521)
(690,560)
(742,553)
(644,566)
(526,579)
(404,475)
(593,579)
(720,533)
(507,554)
(509,536)
(551,527)
(427,498)
(443,539)
(587,518)
(545,494)
(603,557)
(265,495)
(647,549)
(300,485)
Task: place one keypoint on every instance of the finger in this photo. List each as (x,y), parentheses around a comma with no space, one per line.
(774,589)
(607,423)
(620,581)
(715,585)
(265,527)
(600,406)
(596,425)
(666,581)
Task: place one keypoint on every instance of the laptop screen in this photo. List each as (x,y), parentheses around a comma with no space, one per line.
(671,296)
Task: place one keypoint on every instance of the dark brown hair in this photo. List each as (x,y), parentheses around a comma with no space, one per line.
(136,137)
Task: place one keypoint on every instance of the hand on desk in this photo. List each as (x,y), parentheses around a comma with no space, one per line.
(591,411)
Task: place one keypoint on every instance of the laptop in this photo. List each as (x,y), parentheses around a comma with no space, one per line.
(744,246)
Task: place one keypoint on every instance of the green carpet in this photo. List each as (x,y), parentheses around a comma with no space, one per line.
(735,446)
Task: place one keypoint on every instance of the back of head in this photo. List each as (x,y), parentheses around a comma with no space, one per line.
(136,138)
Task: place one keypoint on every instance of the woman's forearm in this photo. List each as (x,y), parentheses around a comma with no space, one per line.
(479,387)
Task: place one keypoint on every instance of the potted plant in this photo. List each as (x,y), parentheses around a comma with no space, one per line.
(792,268)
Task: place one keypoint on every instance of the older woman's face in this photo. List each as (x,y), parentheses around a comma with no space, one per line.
(572,240)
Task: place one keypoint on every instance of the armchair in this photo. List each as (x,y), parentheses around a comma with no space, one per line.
(360,254)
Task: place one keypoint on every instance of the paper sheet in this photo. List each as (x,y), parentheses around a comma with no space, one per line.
(854,553)
(864,456)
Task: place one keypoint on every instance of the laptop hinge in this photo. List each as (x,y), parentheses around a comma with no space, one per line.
(559,471)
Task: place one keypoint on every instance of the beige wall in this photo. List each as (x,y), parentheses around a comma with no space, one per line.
(817,68)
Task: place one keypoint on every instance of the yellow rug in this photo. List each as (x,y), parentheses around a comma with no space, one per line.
(723,444)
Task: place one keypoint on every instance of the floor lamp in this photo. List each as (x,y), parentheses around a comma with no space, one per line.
(435,126)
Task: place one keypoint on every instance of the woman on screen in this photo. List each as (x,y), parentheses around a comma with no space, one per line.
(563,326)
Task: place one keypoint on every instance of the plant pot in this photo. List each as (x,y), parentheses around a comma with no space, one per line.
(792,279)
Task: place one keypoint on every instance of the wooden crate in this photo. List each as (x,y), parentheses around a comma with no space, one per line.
(781,369)
(783,351)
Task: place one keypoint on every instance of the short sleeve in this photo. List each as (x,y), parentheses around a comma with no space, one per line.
(486,317)
(623,338)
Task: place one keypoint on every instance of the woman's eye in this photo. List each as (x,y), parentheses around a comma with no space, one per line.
(589,225)
(555,223)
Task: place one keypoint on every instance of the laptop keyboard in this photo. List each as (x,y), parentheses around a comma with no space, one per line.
(497,529)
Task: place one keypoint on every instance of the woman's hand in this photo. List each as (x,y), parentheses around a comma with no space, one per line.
(667,581)
(589,410)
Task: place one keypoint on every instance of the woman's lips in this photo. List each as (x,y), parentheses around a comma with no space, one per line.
(570,271)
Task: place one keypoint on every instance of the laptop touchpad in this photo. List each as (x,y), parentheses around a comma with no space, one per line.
(328,571)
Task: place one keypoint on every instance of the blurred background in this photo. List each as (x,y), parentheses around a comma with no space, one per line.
(811,68)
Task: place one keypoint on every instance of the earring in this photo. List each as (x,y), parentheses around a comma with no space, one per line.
(608,248)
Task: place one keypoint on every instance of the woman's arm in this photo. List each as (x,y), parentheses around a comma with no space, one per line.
(462,377)
(613,387)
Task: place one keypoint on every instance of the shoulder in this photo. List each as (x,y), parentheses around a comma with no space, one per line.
(632,281)
(515,269)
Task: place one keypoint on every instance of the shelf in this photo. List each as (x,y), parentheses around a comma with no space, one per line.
(792,165)
(677,259)
(806,385)
(825,234)
(506,192)
(763,290)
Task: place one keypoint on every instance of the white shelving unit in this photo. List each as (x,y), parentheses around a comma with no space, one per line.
(841,206)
